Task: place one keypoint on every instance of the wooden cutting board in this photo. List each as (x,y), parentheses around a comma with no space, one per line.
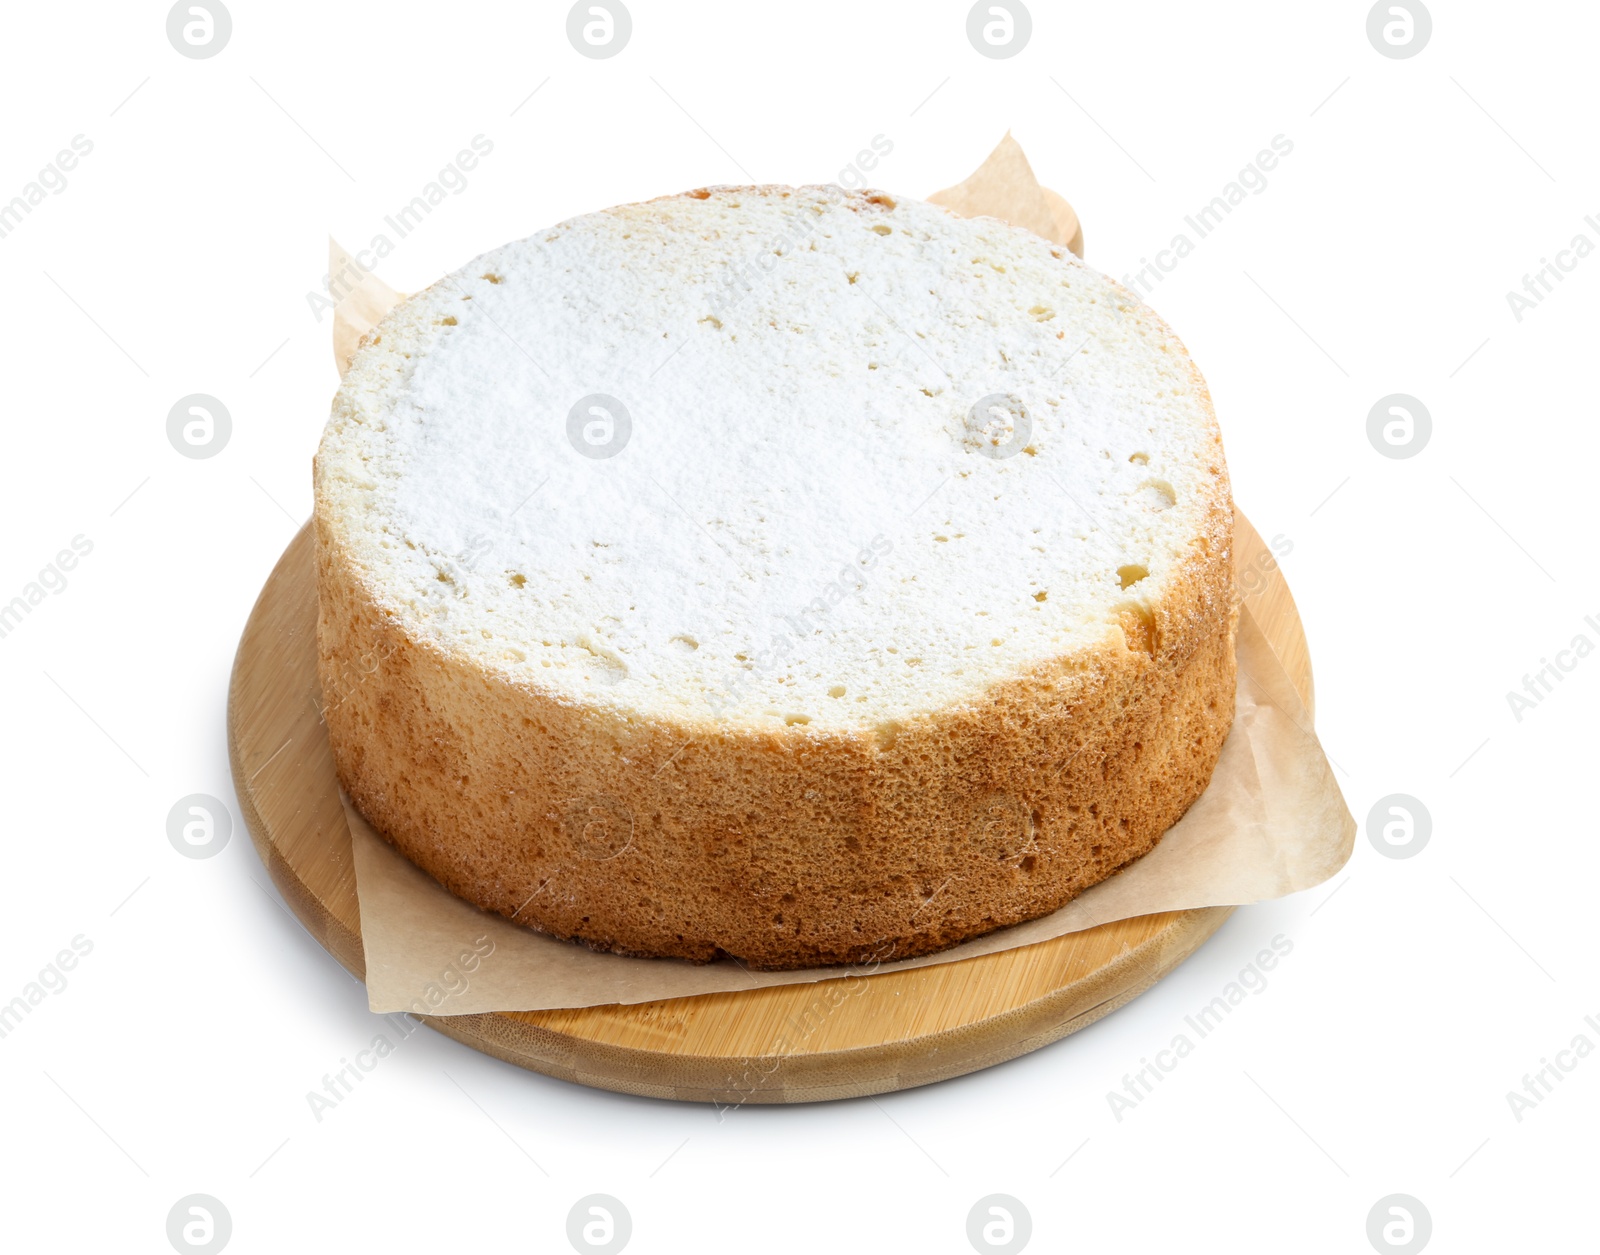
(838,1038)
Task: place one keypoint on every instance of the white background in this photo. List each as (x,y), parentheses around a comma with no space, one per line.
(177,260)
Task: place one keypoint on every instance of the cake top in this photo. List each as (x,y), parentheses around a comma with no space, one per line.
(785,456)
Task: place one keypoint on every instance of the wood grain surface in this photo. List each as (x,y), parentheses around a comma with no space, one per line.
(838,1038)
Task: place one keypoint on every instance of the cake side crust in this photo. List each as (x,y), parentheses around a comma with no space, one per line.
(784,849)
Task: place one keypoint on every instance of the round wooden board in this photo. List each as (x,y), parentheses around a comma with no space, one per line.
(838,1038)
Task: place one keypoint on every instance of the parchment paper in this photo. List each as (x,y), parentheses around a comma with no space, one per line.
(1271,822)
(364,300)
(1004,187)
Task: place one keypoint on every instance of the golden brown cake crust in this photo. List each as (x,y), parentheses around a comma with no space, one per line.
(782,848)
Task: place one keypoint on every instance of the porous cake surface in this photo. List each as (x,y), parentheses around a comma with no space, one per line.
(782,572)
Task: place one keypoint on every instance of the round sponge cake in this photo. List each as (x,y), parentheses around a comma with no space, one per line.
(786,573)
